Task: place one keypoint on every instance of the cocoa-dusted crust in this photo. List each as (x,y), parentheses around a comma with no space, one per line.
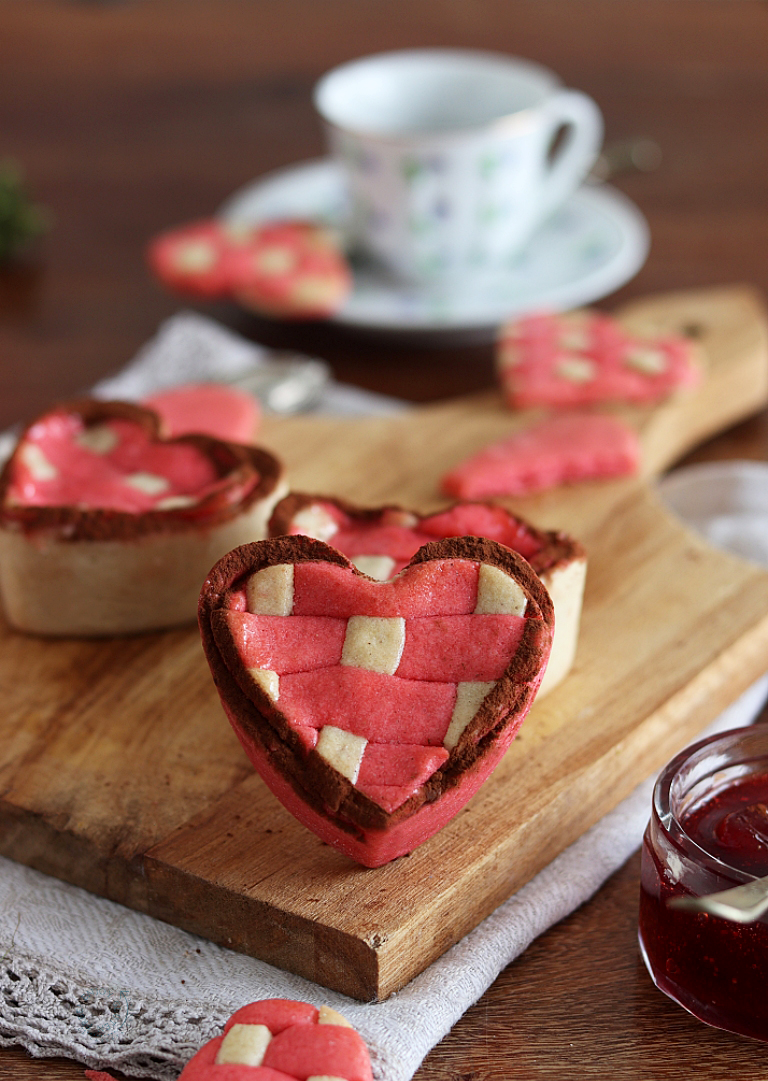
(313,779)
(554,548)
(237,462)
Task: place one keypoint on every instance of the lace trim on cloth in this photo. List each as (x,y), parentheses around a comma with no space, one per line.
(48,1014)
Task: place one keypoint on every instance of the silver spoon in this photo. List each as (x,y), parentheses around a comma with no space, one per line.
(286,383)
(741,904)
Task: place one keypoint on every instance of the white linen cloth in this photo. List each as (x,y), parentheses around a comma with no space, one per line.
(89,979)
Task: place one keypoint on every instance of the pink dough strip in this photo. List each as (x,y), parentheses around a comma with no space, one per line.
(275,1013)
(286,644)
(443,649)
(203,1067)
(307,735)
(440,587)
(397,542)
(388,796)
(400,542)
(320,1051)
(378,707)
(82,477)
(452,649)
(562,449)
(399,764)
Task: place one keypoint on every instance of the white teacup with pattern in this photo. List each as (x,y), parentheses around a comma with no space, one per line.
(453,157)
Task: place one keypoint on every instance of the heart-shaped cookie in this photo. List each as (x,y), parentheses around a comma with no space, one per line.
(107,528)
(208,409)
(193,259)
(374,710)
(291,270)
(381,540)
(278,1039)
(287,269)
(586,357)
(566,448)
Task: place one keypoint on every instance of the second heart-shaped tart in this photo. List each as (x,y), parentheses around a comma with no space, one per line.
(108,528)
(374,710)
(381,540)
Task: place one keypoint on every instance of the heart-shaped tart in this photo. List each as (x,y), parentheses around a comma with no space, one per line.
(107,528)
(381,540)
(278,1039)
(374,710)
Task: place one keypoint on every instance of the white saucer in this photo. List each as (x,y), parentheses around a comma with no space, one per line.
(590,247)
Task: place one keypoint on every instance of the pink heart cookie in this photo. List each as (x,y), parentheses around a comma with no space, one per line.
(566,448)
(106,528)
(193,259)
(290,269)
(287,269)
(282,1040)
(374,710)
(585,357)
(381,540)
(207,408)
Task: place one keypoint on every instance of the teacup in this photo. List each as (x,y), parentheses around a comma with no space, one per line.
(453,157)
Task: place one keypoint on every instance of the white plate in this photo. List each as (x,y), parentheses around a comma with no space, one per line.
(590,247)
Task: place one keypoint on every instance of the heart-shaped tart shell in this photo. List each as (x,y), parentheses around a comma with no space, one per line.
(319,795)
(558,559)
(73,570)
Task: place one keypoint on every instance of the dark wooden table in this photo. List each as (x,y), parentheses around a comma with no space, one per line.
(130,117)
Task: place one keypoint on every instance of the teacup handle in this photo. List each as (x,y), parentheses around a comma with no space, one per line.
(583,138)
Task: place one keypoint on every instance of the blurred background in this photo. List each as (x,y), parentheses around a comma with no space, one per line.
(130,117)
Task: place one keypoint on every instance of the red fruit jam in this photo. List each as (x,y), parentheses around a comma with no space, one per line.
(708,832)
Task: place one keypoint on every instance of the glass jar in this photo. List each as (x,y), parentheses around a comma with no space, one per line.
(708,832)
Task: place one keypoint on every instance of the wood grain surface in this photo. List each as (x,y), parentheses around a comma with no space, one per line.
(130,117)
(119,773)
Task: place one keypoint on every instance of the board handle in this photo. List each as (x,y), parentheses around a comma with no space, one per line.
(729,327)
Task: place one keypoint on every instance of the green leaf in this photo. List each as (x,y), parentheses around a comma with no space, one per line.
(20,219)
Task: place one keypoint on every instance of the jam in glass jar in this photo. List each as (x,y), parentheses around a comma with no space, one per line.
(709,832)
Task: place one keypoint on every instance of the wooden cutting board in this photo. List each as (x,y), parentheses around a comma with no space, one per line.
(119,772)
